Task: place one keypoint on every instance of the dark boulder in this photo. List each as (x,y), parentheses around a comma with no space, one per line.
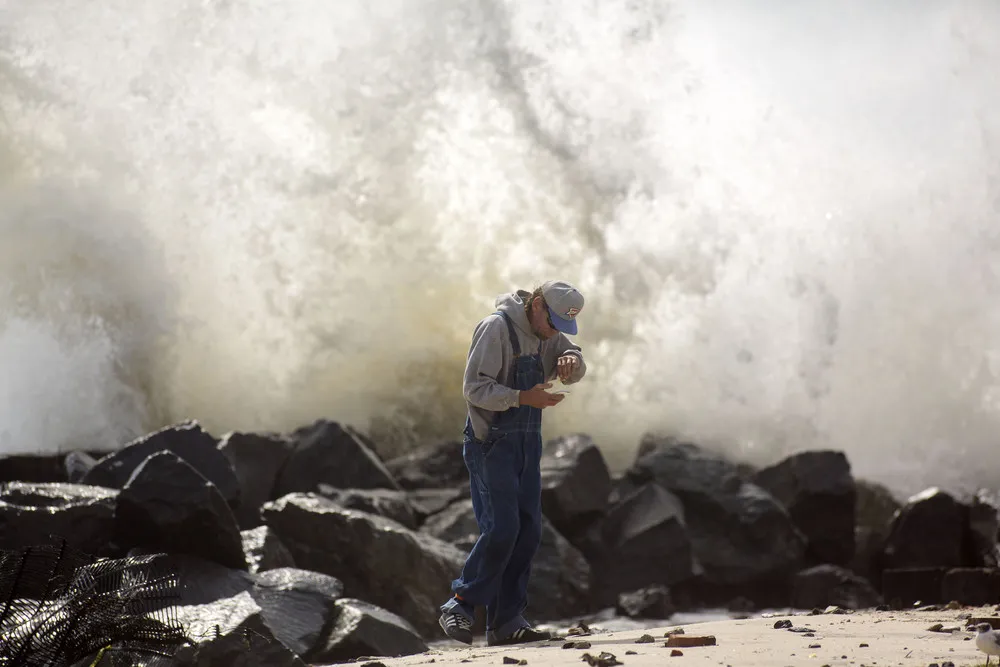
(740,533)
(389,503)
(379,560)
(231,632)
(298,606)
(576,484)
(642,542)
(33,468)
(817,489)
(430,466)
(559,583)
(264,550)
(362,629)
(188,441)
(83,515)
(825,585)
(928,531)
(974,586)
(328,453)
(652,602)
(984,525)
(908,586)
(456,524)
(426,502)
(256,459)
(874,509)
(168,505)
(77,464)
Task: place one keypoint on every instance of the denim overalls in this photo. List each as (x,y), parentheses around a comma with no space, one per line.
(506,495)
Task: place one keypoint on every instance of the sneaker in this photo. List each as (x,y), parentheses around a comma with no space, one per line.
(457,626)
(519,636)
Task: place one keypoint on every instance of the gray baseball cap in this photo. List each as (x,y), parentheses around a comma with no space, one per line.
(565,302)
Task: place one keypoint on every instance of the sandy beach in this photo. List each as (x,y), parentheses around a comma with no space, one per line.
(859,638)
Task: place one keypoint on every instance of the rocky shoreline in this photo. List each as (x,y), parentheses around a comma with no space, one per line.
(329,553)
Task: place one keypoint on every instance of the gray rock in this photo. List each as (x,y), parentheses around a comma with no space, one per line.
(642,542)
(652,602)
(741,535)
(430,466)
(825,585)
(256,459)
(928,531)
(576,483)
(389,503)
(817,489)
(377,559)
(188,441)
(166,504)
(328,453)
(363,629)
(231,632)
(264,550)
(30,514)
(297,605)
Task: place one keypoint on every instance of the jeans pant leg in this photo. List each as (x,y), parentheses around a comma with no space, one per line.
(495,478)
(513,591)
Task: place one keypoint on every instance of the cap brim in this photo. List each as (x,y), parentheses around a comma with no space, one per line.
(568,327)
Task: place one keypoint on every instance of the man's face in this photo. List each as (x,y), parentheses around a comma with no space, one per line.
(540,321)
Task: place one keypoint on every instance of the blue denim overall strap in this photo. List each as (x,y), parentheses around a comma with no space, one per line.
(525,372)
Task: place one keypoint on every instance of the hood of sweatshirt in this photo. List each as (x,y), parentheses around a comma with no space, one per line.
(513,305)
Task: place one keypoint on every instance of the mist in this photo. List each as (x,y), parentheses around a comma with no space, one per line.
(783,217)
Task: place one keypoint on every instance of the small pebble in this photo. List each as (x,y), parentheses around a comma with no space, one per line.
(631,653)
(815,646)
(513,661)
(645,639)
(863,645)
(676,652)
(779,625)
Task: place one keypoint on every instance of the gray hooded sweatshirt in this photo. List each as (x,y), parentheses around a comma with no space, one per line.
(491,356)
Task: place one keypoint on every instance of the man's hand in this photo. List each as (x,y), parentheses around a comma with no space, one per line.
(537,397)
(565,366)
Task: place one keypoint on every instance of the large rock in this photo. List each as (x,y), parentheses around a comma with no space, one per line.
(379,560)
(740,534)
(825,585)
(362,629)
(329,453)
(264,550)
(576,484)
(427,502)
(430,466)
(256,459)
(188,441)
(559,583)
(928,531)
(984,525)
(974,586)
(908,586)
(298,606)
(642,542)
(651,602)
(817,489)
(875,506)
(231,632)
(389,503)
(168,505)
(35,468)
(83,515)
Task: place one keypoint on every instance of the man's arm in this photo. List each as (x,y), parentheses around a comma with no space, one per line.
(483,367)
(561,346)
